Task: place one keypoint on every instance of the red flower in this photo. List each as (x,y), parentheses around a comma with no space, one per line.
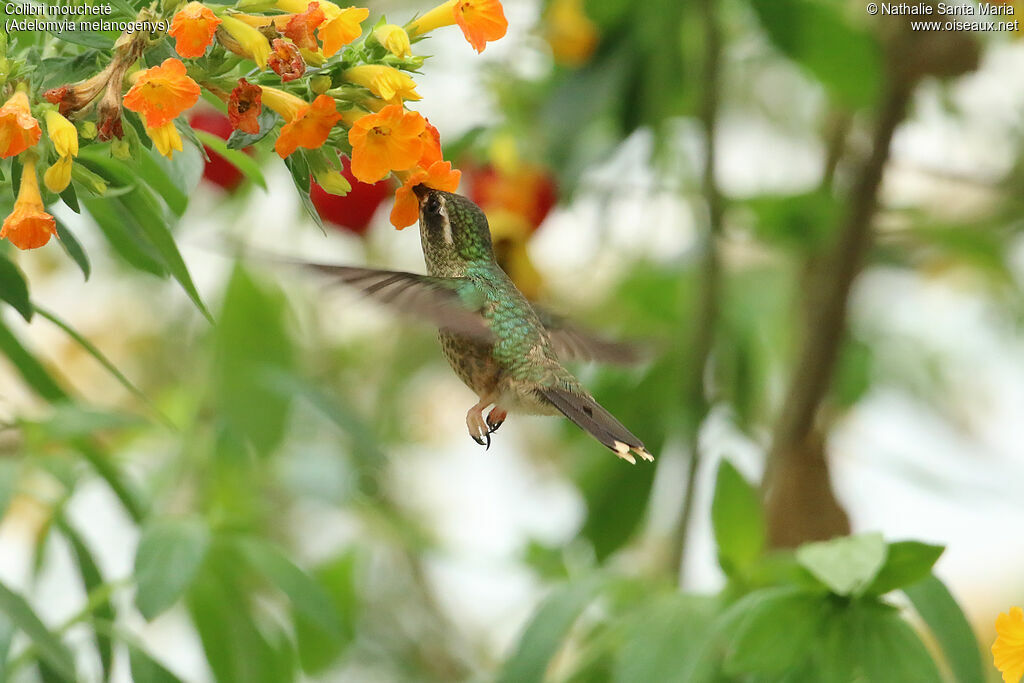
(217,170)
(528,191)
(300,27)
(353,211)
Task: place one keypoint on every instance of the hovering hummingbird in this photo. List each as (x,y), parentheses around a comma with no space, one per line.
(500,345)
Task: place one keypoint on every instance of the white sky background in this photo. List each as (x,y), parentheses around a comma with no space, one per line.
(485,506)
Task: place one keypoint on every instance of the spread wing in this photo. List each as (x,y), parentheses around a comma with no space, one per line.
(450,303)
(572,342)
(456,304)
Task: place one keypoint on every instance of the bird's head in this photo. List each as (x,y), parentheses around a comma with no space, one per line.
(452,226)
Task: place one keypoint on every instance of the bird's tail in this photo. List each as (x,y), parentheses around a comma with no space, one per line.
(602,425)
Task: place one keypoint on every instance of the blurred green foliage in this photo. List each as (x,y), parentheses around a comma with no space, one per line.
(249,419)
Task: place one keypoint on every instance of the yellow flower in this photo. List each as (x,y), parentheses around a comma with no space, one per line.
(250,42)
(29,226)
(387,83)
(394,39)
(166,138)
(340,27)
(1008,650)
(63,134)
(64,137)
(570,33)
(58,177)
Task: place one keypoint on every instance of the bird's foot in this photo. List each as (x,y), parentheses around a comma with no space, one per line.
(479,430)
(495,419)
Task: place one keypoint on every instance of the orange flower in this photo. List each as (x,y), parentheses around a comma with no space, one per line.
(431,146)
(286,61)
(29,226)
(389,140)
(300,27)
(244,107)
(481,21)
(439,176)
(192,29)
(160,94)
(307,125)
(1008,650)
(341,30)
(18,129)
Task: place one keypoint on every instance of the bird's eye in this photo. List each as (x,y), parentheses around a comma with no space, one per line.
(433,205)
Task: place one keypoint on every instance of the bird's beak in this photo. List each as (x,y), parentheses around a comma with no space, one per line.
(421,191)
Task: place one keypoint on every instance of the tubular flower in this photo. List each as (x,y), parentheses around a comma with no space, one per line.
(63,134)
(29,226)
(389,140)
(64,137)
(1008,650)
(431,146)
(193,29)
(162,93)
(307,125)
(300,27)
(570,33)
(245,106)
(286,61)
(481,21)
(245,41)
(341,30)
(58,176)
(394,39)
(386,82)
(18,128)
(439,176)
(166,138)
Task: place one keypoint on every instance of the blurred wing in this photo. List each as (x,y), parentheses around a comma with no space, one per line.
(572,342)
(450,303)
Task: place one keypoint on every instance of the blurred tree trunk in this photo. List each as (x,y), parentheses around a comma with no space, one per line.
(800,504)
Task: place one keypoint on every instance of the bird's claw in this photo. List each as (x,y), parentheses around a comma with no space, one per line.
(495,419)
(486,441)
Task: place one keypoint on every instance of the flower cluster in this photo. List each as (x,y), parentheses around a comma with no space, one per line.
(303,73)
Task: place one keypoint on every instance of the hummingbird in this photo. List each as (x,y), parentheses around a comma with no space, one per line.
(505,349)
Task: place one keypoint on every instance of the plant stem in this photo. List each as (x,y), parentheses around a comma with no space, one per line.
(709,292)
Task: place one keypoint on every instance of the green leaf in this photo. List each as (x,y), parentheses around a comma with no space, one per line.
(308,597)
(170,553)
(299,168)
(240,160)
(868,641)
(51,650)
(92,580)
(777,632)
(252,346)
(235,648)
(121,231)
(846,565)
(737,519)
(319,649)
(802,223)
(240,140)
(846,59)
(906,562)
(669,641)
(547,630)
(6,636)
(69,197)
(87,38)
(145,669)
(947,622)
(14,289)
(28,366)
(73,248)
